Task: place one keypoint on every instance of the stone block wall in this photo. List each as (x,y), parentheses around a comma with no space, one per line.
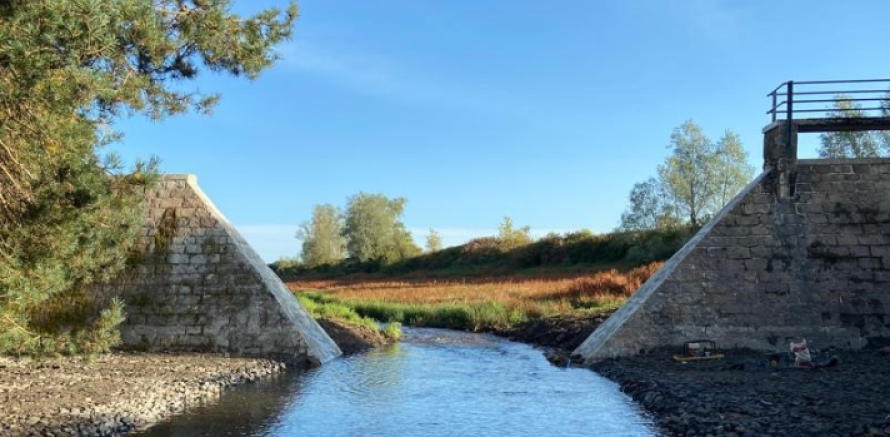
(813,263)
(198,285)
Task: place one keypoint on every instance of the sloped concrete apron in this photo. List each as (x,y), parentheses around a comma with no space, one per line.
(812,262)
(198,285)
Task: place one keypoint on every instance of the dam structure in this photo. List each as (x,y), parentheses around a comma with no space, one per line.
(195,284)
(802,252)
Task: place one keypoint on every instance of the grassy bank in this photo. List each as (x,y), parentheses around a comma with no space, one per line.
(485,257)
(320,307)
(477,303)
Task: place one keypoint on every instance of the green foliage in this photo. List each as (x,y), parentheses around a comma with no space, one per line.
(320,307)
(483,316)
(688,173)
(323,241)
(854,144)
(19,337)
(510,238)
(393,330)
(484,256)
(475,316)
(649,208)
(433,241)
(68,70)
(696,180)
(69,67)
(374,230)
(286,263)
(731,169)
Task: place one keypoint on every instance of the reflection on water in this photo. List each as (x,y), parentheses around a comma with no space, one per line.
(436,383)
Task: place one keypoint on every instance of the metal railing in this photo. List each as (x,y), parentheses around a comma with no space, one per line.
(786,97)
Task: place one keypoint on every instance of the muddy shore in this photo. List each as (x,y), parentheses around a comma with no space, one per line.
(738,396)
(734,397)
(711,399)
(563,333)
(115,393)
(352,338)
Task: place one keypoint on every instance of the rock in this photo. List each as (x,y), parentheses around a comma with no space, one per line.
(114,393)
(708,399)
(884,350)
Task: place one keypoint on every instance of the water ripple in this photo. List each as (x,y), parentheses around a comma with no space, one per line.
(436,383)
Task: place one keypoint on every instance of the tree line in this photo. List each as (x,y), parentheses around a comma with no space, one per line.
(370,231)
(697,178)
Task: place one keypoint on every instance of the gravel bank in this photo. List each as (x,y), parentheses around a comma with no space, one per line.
(709,399)
(114,394)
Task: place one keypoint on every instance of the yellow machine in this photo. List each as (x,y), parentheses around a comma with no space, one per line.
(698,350)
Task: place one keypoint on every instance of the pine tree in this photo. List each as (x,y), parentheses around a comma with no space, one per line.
(68,70)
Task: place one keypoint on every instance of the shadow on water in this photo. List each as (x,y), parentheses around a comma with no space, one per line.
(435,383)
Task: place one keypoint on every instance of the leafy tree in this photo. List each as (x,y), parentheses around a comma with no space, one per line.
(852,144)
(696,180)
(68,70)
(649,208)
(732,171)
(433,241)
(700,177)
(510,238)
(689,172)
(323,241)
(374,230)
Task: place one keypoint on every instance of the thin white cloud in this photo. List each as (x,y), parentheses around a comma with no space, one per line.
(387,77)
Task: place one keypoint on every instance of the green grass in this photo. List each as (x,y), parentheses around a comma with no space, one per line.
(320,307)
(476,316)
(480,316)
(393,330)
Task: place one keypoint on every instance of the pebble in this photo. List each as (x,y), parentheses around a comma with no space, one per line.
(117,393)
(708,399)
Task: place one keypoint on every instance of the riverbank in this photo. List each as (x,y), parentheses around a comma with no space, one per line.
(355,338)
(709,399)
(550,311)
(114,393)
(563,332)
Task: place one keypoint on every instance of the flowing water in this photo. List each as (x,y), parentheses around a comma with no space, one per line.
(435,383)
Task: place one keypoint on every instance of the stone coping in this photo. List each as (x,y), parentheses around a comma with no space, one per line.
(836,161)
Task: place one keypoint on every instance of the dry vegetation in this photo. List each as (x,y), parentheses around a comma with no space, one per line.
(478,303)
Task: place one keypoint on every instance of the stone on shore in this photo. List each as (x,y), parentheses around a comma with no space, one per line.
(116,393)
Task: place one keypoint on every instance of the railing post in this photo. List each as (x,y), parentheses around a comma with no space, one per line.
(789,107)
(789,113)
(774,106)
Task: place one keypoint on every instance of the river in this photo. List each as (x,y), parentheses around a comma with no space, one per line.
(434,383)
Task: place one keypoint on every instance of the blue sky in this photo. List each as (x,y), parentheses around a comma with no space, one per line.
(544,111)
